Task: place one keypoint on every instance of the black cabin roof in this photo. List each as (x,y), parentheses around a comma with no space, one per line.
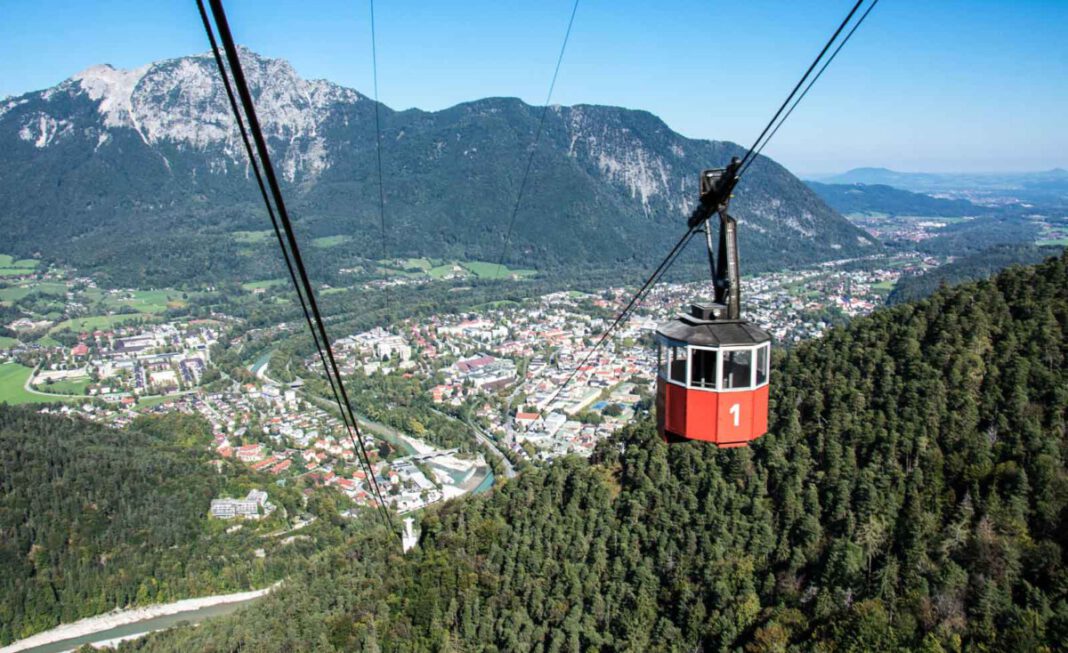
(713,333)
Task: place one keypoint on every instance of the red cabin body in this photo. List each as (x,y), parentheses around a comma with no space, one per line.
(712,379)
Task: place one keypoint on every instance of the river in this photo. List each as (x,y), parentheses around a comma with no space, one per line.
(261,363)
(485,485)
(135,629)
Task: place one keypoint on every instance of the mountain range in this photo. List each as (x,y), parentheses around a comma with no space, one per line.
(140,175)
(880,198)
(1051,182)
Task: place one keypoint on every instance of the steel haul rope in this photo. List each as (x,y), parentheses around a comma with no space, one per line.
(534,144)
(308,302)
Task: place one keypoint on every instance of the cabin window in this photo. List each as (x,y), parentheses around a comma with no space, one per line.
(737,369)
(703,368)
(762,365)
(678,364)
(662,354)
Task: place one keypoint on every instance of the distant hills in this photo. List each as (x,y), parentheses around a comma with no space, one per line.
(998,210)
(140,175)
(1048,181)
(971,267)
(880,198)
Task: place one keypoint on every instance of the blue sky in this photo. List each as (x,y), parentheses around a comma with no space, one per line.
(926,85)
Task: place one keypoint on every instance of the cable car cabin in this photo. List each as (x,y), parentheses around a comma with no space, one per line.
(712,379)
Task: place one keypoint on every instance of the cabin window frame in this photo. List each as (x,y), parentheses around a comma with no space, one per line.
(685,368)
(664,358)
(716,371)
(754,352)
(751,350)
(765,348)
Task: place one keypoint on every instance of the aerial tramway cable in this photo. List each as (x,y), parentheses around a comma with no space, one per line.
(810,85)
(263,189)
(534,144)
(800,82)
(378,147)
(746,161)
(322,340)
(650,282)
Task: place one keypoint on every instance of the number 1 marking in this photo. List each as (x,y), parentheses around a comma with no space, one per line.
(736,410)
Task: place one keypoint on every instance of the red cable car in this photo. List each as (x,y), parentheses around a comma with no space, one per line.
(713,366)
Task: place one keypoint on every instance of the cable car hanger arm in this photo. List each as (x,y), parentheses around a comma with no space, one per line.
(716,188)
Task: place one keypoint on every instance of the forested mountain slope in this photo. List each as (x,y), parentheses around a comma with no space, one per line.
(967,268)
(911,494)
(140,175)
(878,198)
(93,519)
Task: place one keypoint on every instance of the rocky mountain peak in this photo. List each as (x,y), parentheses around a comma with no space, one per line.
(183,102)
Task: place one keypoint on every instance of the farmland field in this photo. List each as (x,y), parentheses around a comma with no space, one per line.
(484,270)
(12,379)
(330,241)
(265,283)
(16,292)
(99,322)
(148,301)
(252,237)
(9,267)
(72,386)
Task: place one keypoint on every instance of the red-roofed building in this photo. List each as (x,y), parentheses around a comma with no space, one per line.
(80,349)
(438,393)
(281,467)
(474,363)
(525,420)
(250,453)
(346,484)
(263,464)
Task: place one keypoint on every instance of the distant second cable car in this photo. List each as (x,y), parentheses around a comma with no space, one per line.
(712,366)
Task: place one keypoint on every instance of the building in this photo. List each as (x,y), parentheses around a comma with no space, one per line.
(487,372)
(248,508)
(250,453)
(526,420)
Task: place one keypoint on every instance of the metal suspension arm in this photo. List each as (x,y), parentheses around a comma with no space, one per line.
(716,188)
(727,282)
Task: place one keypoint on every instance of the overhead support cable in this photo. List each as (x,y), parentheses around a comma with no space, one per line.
(655,277)
(309,302)
(800,82)
(223,73)
(378,144)
(534,144)
(811,83)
